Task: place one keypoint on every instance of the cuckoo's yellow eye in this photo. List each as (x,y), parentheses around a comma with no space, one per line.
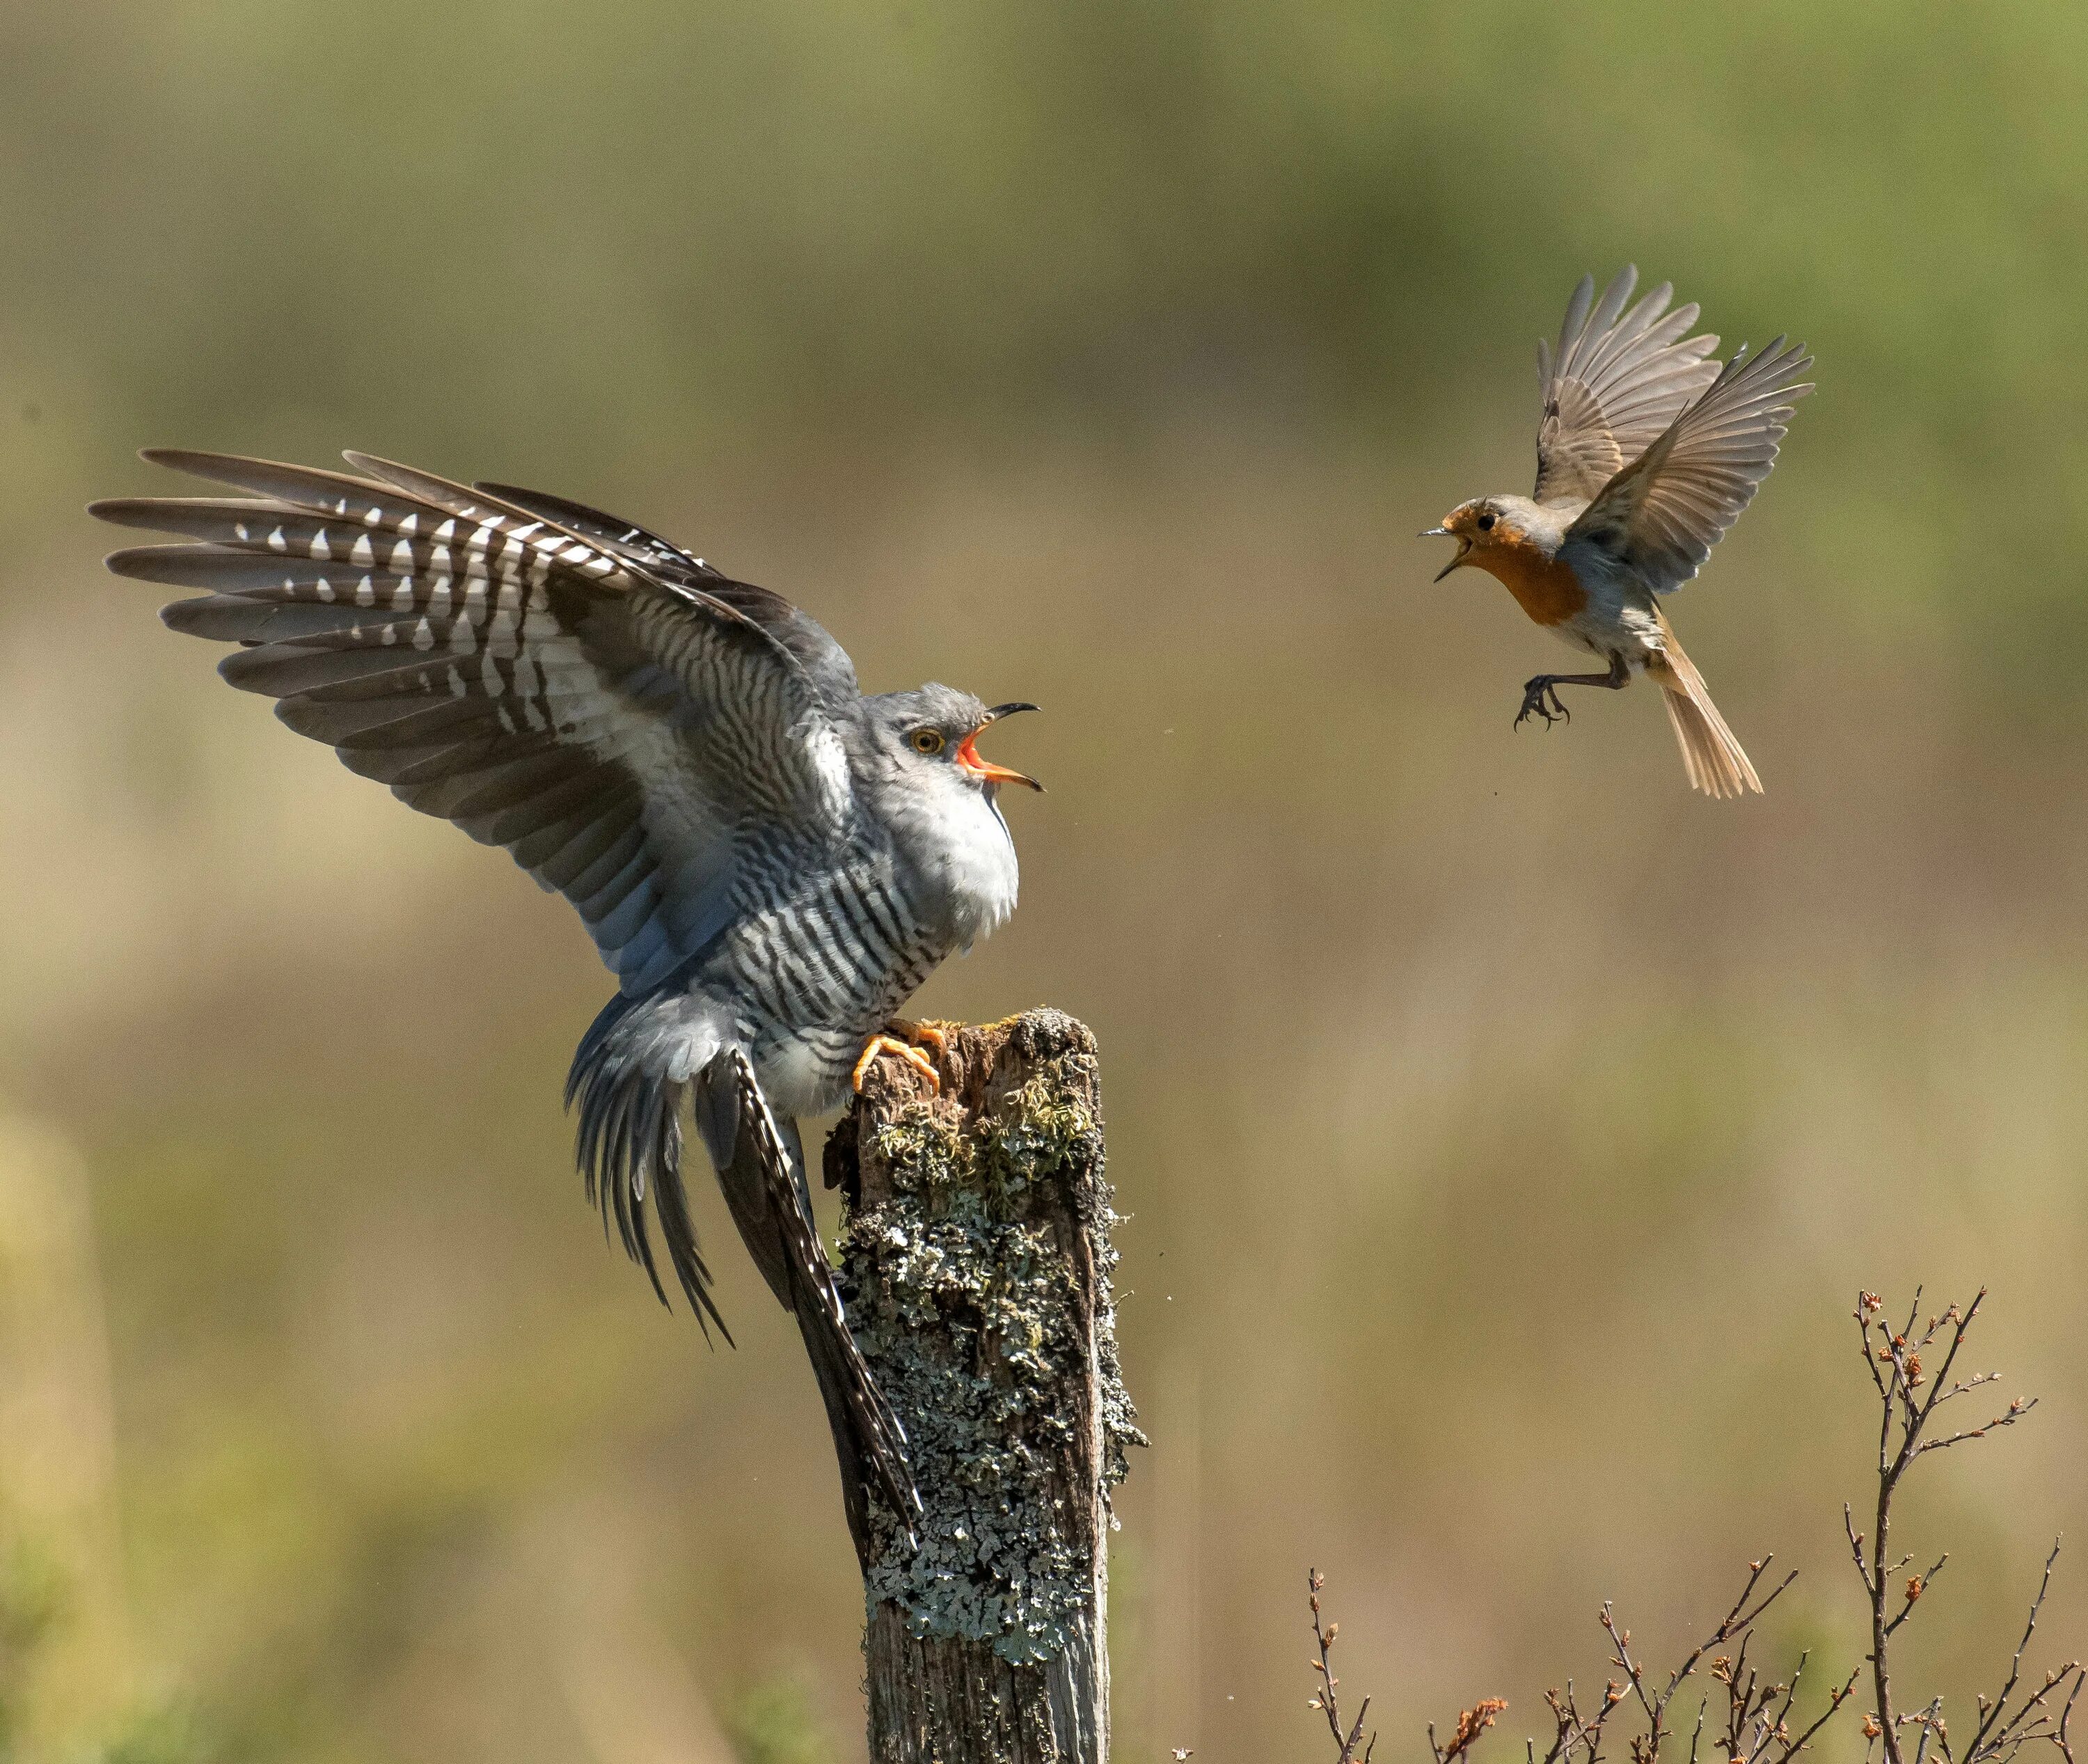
(926,740)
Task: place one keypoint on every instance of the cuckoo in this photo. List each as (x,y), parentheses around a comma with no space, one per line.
(769,860)
(1647,450)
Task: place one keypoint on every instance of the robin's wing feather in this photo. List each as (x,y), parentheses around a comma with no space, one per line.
(1616,379)
(612,729)
(1660,517)
(822,659)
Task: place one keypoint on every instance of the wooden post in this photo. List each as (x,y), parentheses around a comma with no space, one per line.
(976,1263)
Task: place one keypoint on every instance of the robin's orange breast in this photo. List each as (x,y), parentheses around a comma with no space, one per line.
(1545,588)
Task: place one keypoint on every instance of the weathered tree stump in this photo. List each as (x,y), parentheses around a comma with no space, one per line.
(976,1264)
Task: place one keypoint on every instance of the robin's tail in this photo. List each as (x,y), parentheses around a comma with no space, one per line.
(1710,755)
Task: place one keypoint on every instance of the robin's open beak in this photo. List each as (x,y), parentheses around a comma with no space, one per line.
(1463,545)
(985,770)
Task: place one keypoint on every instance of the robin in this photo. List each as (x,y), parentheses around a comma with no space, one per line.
(769,860)
(1647,450)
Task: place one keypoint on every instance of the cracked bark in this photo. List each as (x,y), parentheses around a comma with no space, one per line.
(976,1263)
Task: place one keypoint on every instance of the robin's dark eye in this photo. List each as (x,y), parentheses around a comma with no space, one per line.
(1485,523)
(926,740)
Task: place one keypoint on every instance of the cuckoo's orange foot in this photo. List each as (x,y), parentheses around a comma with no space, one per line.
(891,1044)
(936,1035)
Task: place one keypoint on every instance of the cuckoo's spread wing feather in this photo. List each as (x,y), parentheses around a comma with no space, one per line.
(1661,515)
(824,660)
(1615,381)
(612,726)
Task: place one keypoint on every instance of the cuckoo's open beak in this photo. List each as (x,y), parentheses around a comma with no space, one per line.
(1463,545)
(985,770)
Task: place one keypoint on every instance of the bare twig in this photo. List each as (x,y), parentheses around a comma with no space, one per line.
(1911,1369)
(1350,1739)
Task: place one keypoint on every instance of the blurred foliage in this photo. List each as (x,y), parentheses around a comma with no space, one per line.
(1504,1133)
(31,1600)
(776,1722)
(33,1612)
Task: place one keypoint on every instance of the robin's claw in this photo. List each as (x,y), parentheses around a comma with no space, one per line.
(891,1044)
(1540,697)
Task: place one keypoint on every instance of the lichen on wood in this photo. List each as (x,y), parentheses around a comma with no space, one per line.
(976,1264)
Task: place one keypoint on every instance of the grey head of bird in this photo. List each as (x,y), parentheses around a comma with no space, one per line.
(925,741)
(918,764)
(1503,534)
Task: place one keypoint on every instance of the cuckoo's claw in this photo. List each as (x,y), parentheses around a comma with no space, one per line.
(1540,697)
(933,1034)
(891,1044)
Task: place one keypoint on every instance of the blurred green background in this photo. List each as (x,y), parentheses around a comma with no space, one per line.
(1505,1131)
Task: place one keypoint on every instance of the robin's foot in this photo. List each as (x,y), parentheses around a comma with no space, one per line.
(891,1044)
(1540,697)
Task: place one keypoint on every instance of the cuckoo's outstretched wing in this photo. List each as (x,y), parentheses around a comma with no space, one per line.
(825,663)
(616,725)
(1616,380)
(1661,515)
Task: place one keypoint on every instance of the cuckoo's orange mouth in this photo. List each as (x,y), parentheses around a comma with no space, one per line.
(985,770)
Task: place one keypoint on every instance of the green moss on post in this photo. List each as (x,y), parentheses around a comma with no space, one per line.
(976,1268)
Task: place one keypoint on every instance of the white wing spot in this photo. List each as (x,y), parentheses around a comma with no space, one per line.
(402,557)
(360,552)
(376,513)
(277,542)
(424,634)
(365,592)
(239,527)
(324,588)
(320,548)
(402,596)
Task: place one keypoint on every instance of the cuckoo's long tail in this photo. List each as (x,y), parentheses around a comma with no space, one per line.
(1712,757)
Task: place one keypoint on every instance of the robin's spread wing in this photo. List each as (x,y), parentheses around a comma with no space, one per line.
(620,730)
(1660,517)
(1616,380)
